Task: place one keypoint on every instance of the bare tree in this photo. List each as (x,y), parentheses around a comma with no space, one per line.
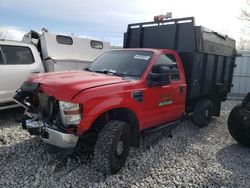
(245,13)
(244,43)
(3,32)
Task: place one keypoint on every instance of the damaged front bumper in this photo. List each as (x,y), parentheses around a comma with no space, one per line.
(36,124)
(50,134)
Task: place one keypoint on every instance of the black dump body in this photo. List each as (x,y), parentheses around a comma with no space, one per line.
(208,57)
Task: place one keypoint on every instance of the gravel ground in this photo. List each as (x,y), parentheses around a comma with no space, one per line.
(192,157)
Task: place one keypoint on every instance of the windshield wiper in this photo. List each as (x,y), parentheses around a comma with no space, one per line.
(87,69)
(102,71)
(119,74)
(125,74)
(111,72)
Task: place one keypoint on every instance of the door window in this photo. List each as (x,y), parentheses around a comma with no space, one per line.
(17,55)
(170,61)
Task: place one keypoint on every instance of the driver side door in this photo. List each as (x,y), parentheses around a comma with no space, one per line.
(162,102)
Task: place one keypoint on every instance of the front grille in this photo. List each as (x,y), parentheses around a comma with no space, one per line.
(43,102)
(48,106)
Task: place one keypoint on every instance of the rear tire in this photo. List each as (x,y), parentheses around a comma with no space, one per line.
(236,127)
(112,147)
(202,113)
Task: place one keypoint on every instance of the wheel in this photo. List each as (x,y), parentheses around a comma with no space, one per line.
(202,112)
(239,126)
(112,147)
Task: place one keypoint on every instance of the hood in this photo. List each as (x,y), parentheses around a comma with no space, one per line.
(65,85)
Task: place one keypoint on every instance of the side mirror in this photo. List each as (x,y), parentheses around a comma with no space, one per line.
(159,76)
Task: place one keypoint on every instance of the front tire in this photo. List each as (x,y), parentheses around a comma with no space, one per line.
(202,113)
(112,147)
(237,128)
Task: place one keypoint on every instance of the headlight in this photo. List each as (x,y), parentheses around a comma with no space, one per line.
(71,113)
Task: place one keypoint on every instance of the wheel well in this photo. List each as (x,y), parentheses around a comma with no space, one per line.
(121,114)
(216,101)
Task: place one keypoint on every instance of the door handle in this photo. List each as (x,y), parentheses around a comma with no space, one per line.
(34,71)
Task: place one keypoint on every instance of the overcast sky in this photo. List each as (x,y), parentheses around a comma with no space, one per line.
(107,19)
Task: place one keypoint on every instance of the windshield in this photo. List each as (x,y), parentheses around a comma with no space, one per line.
(122,63)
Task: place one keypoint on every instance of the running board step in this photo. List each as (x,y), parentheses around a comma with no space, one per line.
(160,127)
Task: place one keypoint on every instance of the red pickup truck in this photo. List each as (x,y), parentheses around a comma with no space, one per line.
(120,95)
